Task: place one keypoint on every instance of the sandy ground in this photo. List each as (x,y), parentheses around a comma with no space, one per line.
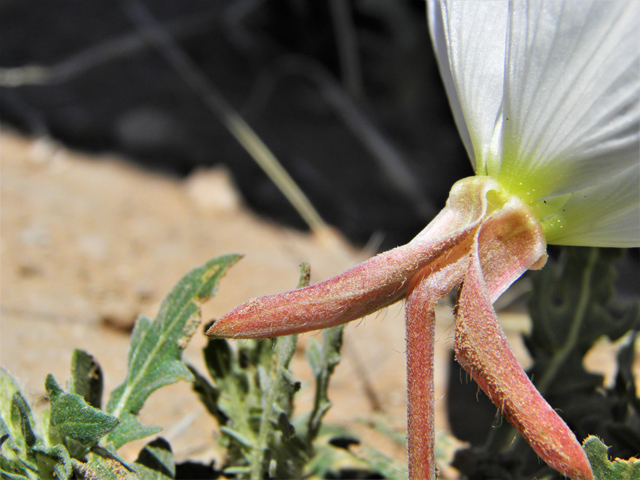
(88,243)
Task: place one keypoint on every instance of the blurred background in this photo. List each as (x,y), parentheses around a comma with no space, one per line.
(346,94)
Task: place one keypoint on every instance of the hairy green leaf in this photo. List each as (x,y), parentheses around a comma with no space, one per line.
(8,387)
(209,395)
(130,429)
(104,465)
(277,405)
(23,454)
(155,461)
(156,346)
(17,458)
(252,399)
(73,417)
(53,462)
(22,419)
(603,468)
(322,360)
(86,377)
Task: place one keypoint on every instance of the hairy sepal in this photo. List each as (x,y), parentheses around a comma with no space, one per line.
(372,285)
(507,245)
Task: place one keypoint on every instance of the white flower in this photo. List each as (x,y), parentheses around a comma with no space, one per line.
(546,95)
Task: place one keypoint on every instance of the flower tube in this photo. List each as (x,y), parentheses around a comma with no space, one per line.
(546,98)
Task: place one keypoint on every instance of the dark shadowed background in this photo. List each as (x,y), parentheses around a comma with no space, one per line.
(308,76)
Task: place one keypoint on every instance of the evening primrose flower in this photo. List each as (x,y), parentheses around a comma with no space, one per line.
(546,98)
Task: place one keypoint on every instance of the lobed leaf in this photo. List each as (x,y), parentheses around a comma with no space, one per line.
(73,417)
(156,347)
(603,468)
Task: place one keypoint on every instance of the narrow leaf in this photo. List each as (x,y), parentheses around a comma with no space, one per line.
(323,360)
(155,461)
(209,396)
(237,436)
(86,377)
(8,387)
(22,419)
(5,435)
(12,476)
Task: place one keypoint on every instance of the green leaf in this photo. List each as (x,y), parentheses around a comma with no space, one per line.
(23,453)
(252,399)
(104,465)
(278,387)
(54,462)
(383,464)
(7,475)
(8,387)
(233,382)
(156,346)
(86,377)
(328,458)
(5,435)
(209,396)
(73,417)
(17,458)
(130,429)
(22,419)
(322,360)
(238,436)
(155,461)
(603,468)
(569,311)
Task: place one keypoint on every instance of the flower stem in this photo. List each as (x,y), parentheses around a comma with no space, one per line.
(420,330)
(424,293)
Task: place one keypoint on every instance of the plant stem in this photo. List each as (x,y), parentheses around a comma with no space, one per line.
(425,290)
(420,332)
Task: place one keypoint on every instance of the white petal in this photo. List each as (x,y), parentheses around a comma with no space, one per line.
(604,215)
(571,105)
(469,38)
(557,122)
